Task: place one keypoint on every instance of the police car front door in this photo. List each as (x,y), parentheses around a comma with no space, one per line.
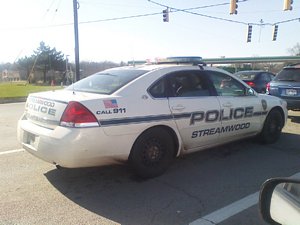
(194,109)
(240,112)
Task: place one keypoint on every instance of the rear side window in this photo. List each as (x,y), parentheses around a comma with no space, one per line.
(265,77)
(288,75)
(158,90)
(188,84)
(106,82)
(246,76)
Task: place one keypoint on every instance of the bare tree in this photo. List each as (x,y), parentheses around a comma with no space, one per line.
(295,50)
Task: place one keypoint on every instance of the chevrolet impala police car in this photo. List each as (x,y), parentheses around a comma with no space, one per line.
(146,115)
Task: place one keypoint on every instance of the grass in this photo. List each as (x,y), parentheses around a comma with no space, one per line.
(21,89)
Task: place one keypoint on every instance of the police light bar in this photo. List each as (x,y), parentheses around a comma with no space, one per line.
(195,60)
(136,62)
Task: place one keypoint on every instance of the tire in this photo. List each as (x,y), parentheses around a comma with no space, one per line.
(152,153)
(272,127)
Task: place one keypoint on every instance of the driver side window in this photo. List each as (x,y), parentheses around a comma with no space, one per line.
(225,85)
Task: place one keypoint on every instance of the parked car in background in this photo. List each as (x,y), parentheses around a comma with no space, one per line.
(286,85)
(257,79)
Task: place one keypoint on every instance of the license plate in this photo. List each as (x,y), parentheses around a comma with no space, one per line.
(31,140)
(291,92)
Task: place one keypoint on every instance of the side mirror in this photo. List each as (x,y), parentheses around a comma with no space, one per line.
(250,92)
(279,201)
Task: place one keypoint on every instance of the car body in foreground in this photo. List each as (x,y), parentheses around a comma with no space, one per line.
(257,79)
(286,85)
(147,115)
(279,200)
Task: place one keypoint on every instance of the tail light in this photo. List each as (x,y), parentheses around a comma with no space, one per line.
(77,115)
(250,83)
(268,87)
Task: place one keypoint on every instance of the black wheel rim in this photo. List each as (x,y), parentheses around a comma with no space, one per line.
(274,127)
(153,152)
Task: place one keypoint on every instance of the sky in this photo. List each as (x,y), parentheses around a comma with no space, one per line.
(103,36)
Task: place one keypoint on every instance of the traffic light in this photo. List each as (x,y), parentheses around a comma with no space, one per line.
(166,15)
(287,5)
(275,31)
(233,7)
(249,33)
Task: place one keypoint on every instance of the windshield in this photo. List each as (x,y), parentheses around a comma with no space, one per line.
(106,82)
(288,75)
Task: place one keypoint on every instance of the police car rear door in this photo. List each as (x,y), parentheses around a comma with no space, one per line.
(240,111)
(194,108)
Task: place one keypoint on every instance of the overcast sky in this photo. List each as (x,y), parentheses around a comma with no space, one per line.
(23,24)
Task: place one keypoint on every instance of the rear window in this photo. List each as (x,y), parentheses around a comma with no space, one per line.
(246,76)
(288,75)
(106,82)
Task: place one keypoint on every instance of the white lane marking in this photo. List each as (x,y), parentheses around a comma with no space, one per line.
(234,208)
(12,151)
(228,211)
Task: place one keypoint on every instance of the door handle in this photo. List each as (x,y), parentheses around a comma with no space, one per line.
(178,107)
(228,104)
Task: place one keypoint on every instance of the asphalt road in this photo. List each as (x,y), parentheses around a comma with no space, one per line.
(9,116)
(35,192)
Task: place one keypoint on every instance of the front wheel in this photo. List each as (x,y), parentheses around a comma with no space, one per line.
(272,127)
(152,153)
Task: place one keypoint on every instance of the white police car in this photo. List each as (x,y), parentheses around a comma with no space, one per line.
(146,114)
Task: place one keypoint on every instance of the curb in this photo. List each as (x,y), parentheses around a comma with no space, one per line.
(12,100)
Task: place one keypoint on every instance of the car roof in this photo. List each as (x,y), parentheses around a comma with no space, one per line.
(183,66)
(251,72)
(293,66)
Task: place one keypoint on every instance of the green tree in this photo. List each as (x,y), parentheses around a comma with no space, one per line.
(26,64)
(44,58)
(49,58)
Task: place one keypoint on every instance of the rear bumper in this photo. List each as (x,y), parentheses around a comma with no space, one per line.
(293,104)
(73,147)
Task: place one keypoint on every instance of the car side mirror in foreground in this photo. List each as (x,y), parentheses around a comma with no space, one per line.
(279,201)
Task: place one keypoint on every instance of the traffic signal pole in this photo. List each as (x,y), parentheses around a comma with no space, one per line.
(77,69)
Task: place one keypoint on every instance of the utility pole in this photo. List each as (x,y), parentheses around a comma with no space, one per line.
(77,69)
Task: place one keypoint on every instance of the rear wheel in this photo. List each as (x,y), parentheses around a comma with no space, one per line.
(272,127)
(152,153)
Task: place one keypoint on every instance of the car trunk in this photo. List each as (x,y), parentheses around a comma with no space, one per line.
(46,108)
(285,88)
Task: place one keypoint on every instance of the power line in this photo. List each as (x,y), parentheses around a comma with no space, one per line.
(200,7)
(56,10)
(48,9)
(219,18)
(173,10)
(121,18)
(200,14)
